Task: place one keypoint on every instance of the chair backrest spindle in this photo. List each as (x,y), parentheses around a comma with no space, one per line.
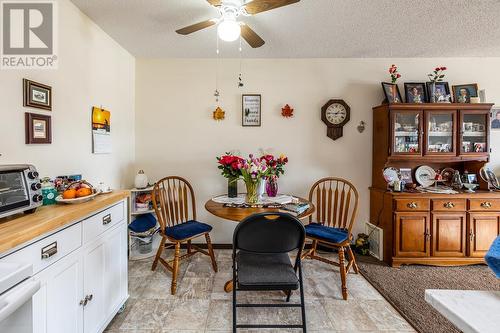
(336,202)
(170,201)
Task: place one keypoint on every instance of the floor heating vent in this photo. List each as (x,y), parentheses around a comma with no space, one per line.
(376,238)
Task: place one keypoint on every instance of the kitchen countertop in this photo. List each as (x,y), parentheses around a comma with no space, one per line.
(22,228)
(472,311)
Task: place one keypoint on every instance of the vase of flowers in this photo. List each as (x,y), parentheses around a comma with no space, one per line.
(230,166)
(436,76)
(276,168)
(253,171)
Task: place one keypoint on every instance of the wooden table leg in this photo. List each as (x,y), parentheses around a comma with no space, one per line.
(228,286)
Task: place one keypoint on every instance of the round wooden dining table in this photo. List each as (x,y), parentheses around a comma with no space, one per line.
(237,214)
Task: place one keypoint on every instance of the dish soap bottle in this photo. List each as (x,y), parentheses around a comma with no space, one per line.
(49,192)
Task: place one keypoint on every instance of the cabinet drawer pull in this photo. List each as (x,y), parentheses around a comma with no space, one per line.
(87,299)
(106,219)
(486,204)
(412,205)
(449,205)
(49,250)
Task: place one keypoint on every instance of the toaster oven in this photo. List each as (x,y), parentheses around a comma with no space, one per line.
(20,189)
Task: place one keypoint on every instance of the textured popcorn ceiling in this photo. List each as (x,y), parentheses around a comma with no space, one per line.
(310,28)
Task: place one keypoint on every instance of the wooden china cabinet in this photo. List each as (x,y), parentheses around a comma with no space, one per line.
(429,228)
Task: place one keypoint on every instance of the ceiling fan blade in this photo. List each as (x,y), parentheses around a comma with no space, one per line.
(251,36)
(195,27)
(259,6)
(215,3)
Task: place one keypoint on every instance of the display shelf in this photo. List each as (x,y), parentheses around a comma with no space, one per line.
(141,212)
(437,133)
(405,133)
(476,134)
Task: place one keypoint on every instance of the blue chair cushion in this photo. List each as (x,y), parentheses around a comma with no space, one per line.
(328,234)
(143,223)
(187,229)
(492,257)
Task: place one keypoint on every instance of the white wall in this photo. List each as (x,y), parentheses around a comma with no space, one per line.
(93,70)
(175,134)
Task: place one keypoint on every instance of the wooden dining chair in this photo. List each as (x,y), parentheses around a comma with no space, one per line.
(173,201)
(336,202)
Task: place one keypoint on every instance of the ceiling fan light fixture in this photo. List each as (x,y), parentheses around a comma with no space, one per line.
(229,30)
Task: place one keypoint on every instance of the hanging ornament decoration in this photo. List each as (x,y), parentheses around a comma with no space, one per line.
(219,114)
(287,111)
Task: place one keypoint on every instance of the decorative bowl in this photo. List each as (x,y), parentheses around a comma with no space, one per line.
(470,187)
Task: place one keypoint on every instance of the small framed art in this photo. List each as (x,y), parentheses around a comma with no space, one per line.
(441,92)
(463,93)
(495,118)
(391,92)
(38,128)
(251,110)
(415,92)
(37,95)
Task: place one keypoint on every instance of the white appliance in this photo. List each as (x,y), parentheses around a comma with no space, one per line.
(17,288)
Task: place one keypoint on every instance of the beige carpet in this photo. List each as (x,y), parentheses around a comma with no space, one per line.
(404,288)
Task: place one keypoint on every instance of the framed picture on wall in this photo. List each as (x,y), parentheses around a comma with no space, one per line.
(251,110)
(37,95)
(495,118)
(38,128)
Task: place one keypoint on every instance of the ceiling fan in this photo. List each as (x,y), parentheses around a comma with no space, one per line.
(228,26)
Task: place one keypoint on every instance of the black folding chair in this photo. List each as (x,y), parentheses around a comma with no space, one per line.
(261,244)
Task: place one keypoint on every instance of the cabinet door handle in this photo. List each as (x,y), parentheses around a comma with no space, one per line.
(49,250)
(106,219)
(87,299)
(449,205)
(471,236)
(486,204)
(412,205)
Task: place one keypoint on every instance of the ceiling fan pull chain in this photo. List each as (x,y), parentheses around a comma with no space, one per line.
(240,81)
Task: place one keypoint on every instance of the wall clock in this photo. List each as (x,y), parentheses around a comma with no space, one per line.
(335,114)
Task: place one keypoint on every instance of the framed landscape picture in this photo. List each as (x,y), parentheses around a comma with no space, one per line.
(37,95)
(38,128)
(251,110)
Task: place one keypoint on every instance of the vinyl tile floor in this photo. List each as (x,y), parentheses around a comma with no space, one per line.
(202,306)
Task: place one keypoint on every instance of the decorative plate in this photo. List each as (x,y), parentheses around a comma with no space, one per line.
(391,174)
(59,199)
(447,175)
(425,175)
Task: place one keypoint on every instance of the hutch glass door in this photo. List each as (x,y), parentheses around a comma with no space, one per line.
(440,134)
(406,131)
(474,135)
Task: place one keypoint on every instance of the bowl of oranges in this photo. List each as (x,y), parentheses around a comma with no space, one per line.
(77,192)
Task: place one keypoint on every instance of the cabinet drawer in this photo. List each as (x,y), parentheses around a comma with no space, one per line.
(49,250)
(99,223)
(411,205)
(449,205)
(484,204)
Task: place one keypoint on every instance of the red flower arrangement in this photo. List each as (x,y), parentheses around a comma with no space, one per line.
(393,71)
(437,75)
(230,165)
(276,165)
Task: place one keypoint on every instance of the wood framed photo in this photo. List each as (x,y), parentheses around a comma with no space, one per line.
(391,92)
(37,95)
(463,92)
(416,92)
(495,118)
(251,110)
(441,92)
(38,128)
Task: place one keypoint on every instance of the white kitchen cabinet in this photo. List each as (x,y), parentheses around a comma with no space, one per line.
(84,281)
(56,306)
